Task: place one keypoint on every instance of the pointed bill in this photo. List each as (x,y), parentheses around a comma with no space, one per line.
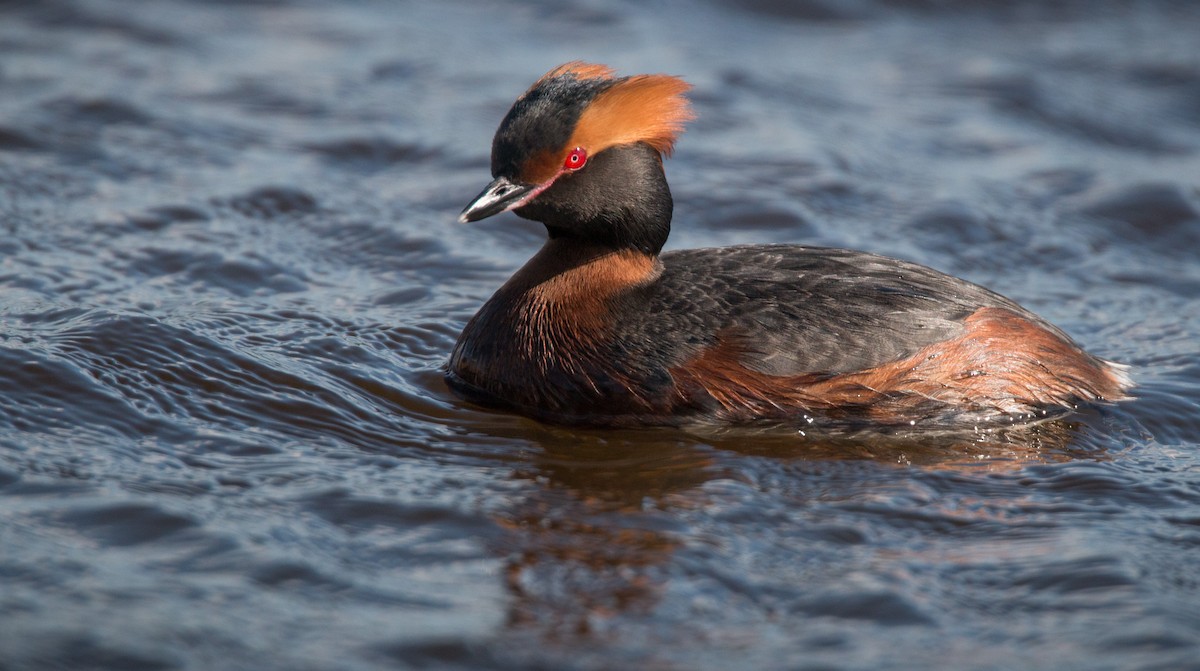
(499,196)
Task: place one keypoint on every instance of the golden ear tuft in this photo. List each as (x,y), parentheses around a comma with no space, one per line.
(642,108)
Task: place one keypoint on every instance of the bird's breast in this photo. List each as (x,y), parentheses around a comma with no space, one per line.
(547,338)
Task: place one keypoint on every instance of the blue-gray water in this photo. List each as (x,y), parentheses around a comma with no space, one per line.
(230,274)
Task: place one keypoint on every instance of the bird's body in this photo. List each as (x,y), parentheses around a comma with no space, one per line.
(601,328)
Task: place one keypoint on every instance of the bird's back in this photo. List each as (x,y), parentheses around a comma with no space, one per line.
(809,309)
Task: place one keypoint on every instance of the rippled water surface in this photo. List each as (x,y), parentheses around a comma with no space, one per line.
(230,275)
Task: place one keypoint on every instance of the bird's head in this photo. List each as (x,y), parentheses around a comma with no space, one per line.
(581,151)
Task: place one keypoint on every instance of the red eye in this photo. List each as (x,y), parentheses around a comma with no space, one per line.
(576,159)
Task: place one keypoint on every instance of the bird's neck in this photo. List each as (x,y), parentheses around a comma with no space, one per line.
(580,276)
(557,303)
(634,240)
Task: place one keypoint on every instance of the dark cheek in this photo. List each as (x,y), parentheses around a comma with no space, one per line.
(566,189)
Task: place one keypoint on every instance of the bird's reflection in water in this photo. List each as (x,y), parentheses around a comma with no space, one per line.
(596,537)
